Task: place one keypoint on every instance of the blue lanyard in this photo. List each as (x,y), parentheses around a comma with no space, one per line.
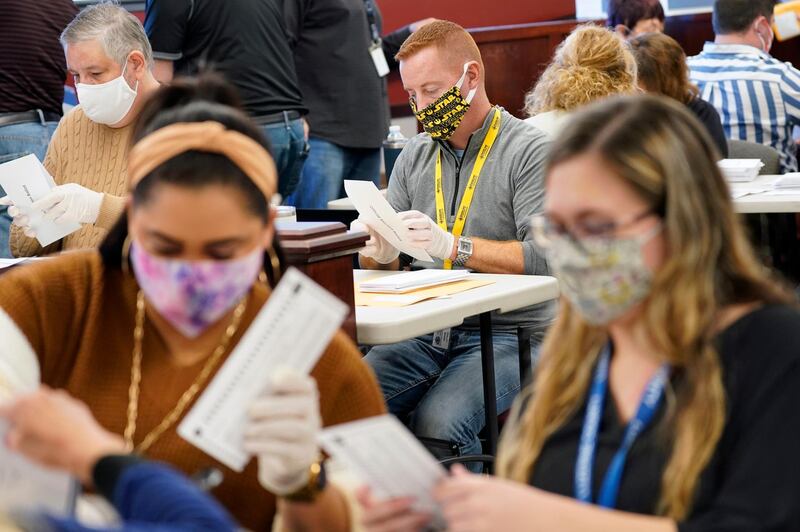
(607,497)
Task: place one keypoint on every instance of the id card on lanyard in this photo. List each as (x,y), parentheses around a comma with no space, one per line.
(584,467)
(376,48)
(466,200)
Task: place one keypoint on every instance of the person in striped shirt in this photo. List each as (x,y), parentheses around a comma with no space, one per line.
(757,96)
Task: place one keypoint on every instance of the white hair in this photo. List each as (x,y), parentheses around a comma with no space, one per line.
(117,30)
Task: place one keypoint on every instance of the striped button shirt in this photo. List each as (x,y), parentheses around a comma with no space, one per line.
(757,96)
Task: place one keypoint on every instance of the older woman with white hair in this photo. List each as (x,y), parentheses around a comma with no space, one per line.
(109,56)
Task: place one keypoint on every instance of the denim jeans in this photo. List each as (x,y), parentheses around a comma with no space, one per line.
(328,166)
(289,149)
(438,392)
(16,141)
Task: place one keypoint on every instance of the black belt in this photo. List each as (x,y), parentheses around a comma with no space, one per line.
(274,118)
(10,119)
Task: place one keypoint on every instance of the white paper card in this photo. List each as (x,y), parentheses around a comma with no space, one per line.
(25,180)
(25,486)
(787,25)
(379,59)
(370,203)
(387,457)
(292,331)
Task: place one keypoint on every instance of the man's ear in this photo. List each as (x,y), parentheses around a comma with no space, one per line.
(622,30)
(137,64)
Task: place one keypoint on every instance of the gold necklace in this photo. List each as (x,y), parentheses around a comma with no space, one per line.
(188,395)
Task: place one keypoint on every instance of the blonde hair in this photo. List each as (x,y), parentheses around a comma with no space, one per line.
(657,147)
(450,38)
(590,64)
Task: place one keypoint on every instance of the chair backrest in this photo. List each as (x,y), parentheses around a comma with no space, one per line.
(741,149)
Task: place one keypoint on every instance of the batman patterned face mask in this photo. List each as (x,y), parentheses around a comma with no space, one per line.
(441,118)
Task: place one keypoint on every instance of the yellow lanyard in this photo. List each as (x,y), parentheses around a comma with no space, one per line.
(466,201)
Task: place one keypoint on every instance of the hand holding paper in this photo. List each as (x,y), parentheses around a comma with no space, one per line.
(282,432)
(70,204)
(376,212)
(25,181)
(377,247)
(290,332)
(384,455)
(423,232)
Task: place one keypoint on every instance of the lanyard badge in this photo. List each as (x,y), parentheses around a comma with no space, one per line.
(587,448)
(466,200)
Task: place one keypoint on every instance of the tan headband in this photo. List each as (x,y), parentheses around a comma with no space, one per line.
(165,143)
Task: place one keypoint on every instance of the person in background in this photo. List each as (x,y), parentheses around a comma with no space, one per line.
(590,64)
(757,96)
(110,58)
(138,328)
(631,18)
(57,431)
(666,396)
(31,82)
(433,383)
(245,41)
(334,44)
(663,70)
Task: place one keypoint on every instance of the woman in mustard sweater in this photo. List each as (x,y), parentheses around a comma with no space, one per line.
(137,329)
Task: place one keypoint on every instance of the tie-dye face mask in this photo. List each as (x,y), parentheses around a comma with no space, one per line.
(192,295)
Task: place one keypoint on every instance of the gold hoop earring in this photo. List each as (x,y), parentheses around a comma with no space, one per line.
(126,251)
(262,277)
(275,264)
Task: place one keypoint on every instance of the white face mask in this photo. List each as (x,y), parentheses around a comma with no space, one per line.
(107,103)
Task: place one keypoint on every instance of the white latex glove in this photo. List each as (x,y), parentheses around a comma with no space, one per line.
(18,218)
(70,203)
(282,432)
(423,232)
(377,247)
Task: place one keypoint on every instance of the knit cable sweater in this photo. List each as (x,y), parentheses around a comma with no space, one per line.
(94,156)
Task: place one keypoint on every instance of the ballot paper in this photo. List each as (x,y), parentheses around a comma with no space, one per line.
(405,282)
(28,487)
(292,331)
(25,180)
(383,454)
(378,214)
(740,170)
(788,181)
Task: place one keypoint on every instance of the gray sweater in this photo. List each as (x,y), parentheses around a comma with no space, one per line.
(510,190)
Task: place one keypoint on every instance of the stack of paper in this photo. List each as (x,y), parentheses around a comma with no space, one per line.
(406,282)
(788,181)
(738,170)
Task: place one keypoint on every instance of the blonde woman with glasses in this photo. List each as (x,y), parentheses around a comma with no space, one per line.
(591,64)
(667,391)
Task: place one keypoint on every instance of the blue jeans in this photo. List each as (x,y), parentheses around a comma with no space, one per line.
(16,141)
(438,392)
(289,149)
(327,167)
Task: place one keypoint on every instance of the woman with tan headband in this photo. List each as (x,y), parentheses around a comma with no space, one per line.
(137,329)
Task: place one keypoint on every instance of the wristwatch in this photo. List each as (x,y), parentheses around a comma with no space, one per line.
(317,481)
(463,251)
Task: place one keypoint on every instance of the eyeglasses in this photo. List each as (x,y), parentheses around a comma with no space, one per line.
(546,232)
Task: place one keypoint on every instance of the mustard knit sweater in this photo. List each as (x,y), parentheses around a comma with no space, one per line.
(94,156)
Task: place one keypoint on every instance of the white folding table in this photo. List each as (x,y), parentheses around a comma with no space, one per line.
(378,325)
